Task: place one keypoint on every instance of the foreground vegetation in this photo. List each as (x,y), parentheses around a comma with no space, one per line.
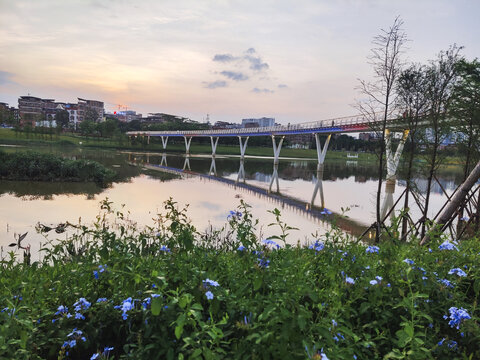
(118,292)
(36,166)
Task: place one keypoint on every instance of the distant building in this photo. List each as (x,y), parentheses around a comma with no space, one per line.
(225,125)
(127,115)
(85,105)
(72,114)
(159,118)
(261,122)
(31,109)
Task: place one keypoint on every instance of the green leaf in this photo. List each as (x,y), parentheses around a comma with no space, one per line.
(156,306)
(178,331)
(197,353)
(257,283)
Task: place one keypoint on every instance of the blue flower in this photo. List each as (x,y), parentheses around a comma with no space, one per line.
(99,300)
(95,356)
(349,280)
(82,304)
(446,283)
(165,249)
(95,274)
(61,310)
(318,246)
(127,305)
(409,261)
(209,295)
(440,343)
(379,278)
(210,283)
(447,245)
(271,242)
(107,350)
(334,323)
(241,248)
(325,211)
(456,316)
(264,263)
(79,316)
(372,250)
(457,271)
(373,282)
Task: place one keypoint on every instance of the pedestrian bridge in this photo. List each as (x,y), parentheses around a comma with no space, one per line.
(348,124)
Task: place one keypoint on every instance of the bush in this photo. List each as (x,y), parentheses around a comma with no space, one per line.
(152,293)
(46,167)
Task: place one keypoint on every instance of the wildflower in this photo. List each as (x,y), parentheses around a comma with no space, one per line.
(465,218)
(127,305)
(349,280)
(457,271)
(318,246)
(81,304)
(372,250)
(79,316)
(209,295)
(99,300)
(165,249)
(241,248)
(446,283)
(447,245)
(107,350)
(325,211)
(271,242)
(234,214)
(373,282)
(210,282)
(379,278)
(451,344)
(334,323)
(409,261)
(61,310)
(440,343)
(264,263)
(95,356)
(456,316)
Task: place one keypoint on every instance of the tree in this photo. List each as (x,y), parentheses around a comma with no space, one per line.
(87,127)
(91,115)
(380,95)
(62,118)
(412,100)
(441,79)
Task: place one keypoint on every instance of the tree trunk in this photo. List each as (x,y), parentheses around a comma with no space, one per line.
(457,199)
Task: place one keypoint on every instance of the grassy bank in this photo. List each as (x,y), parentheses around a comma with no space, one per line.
(8,136)
(118,292)
(34,166)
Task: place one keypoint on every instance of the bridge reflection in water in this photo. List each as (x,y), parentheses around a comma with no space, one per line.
(314,210)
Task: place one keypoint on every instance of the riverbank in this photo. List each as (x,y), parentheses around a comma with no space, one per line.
(34,166)
(169,292)
(8,136)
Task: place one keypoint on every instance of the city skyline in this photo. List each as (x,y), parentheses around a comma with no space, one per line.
(294,61)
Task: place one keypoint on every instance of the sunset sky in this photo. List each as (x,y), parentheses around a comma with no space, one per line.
(293,60)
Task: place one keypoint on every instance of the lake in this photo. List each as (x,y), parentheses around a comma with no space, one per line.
(211,188)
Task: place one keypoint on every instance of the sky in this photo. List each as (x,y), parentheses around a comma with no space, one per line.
(296,61)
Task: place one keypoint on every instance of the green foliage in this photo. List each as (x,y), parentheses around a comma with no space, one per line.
(46,167)
(160,293)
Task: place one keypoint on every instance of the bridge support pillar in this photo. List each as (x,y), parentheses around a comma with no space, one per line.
(277,148)
(393,160)
(214,145)
(163,162)
(274,178)
(213,167)
(241,172)
(187,144)
(243,146)
(164,142)
(321,153)
(148,140)
(318,187)
(186,164)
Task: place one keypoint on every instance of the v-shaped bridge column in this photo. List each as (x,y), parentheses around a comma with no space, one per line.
(321,153)
(393,160)
(187,144)
(241,172)
(164,141)
(243,146)
(318,187)
(277,148)
(163,162)
(186,164)
(213,167)
(388,200)
(274,178)
(214,145)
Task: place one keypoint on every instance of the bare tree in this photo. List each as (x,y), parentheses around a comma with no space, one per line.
(413,102)
(441,78)
(379,102)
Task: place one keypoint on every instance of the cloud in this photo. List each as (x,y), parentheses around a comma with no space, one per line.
(215,84)
(5,77)
(224,58)
(256,63)
(282,86)
(237,76)
(264,91)
(250,51)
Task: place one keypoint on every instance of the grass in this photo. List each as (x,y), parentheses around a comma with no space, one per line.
(119,292)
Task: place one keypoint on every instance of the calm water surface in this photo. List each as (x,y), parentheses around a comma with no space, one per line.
(210,189)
